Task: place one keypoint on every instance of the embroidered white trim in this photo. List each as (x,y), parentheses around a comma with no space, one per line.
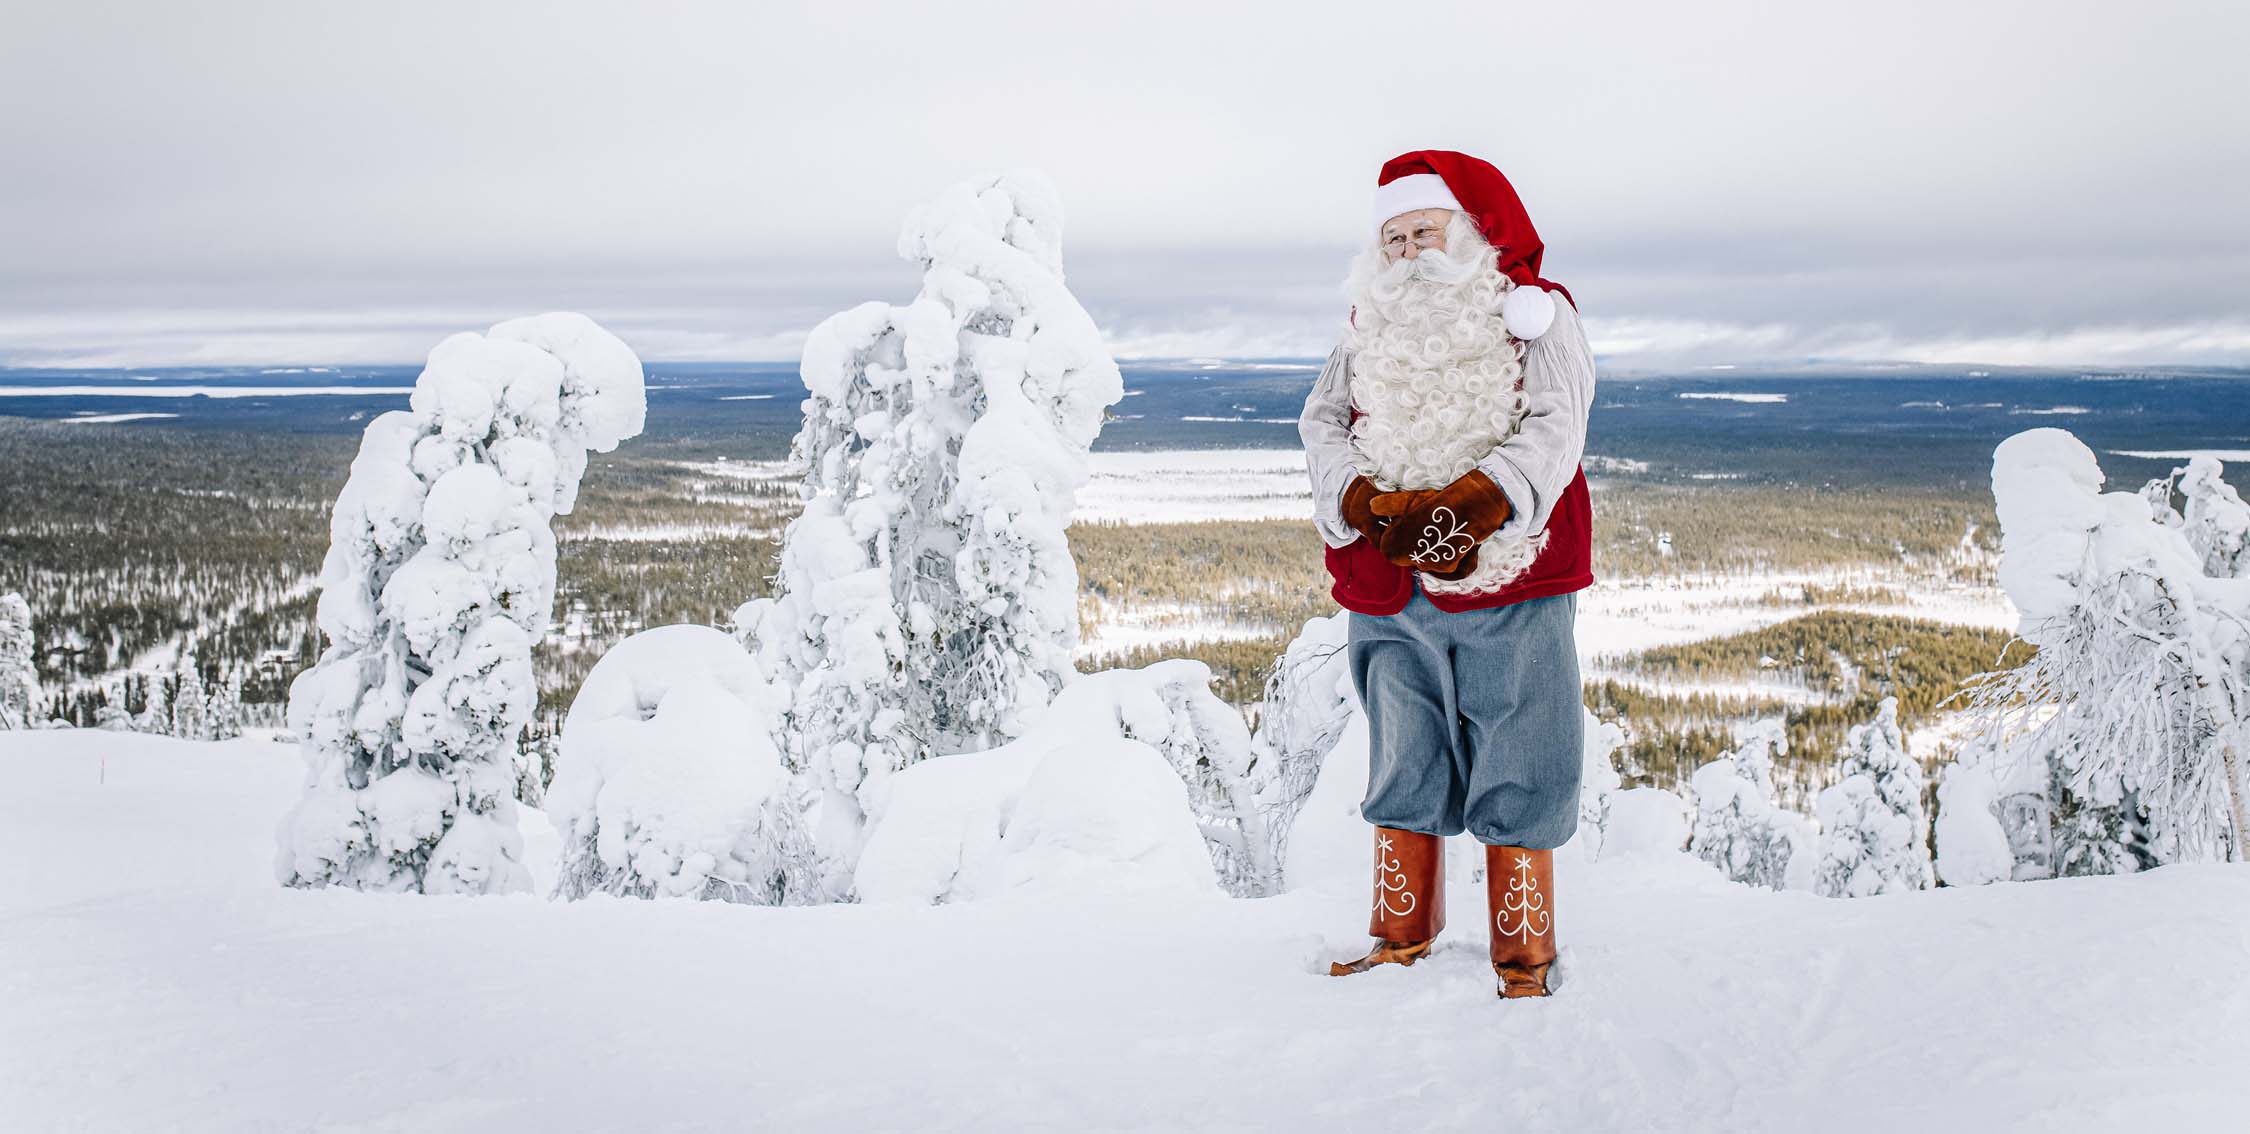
(1524,900)
(1441,534)
(1390,879)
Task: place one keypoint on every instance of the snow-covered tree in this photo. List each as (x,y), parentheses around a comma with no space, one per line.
(223,719)
(2217,522)
(2138,694)
(191,710)
(156,709)
(927,602)
(1874,834)
(668,783)
(114,713)
(438,582)
(1597,781)
(1738,828)
(19,671)
(1308,702)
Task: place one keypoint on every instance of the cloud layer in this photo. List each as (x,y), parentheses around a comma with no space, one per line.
(233,182)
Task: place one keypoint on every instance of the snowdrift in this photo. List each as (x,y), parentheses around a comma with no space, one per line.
(155,977)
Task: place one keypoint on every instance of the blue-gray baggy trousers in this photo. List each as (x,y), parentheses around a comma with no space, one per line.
(1475,720)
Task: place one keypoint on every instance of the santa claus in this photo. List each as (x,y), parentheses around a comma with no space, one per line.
(1444,438)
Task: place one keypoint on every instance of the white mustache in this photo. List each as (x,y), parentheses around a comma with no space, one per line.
(1431,265)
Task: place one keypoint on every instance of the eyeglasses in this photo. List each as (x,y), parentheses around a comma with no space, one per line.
(1424,236)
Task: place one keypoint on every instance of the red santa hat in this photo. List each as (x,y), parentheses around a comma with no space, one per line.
(1444,179)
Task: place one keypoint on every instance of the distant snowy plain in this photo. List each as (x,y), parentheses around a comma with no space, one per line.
(156,977)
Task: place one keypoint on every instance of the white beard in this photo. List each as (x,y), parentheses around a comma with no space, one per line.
(1438,381)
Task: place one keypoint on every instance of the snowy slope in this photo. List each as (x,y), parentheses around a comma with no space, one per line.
(153,975)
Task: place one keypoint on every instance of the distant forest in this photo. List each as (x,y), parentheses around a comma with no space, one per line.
(134,543)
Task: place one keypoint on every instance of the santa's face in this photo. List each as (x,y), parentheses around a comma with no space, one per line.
(1406,235)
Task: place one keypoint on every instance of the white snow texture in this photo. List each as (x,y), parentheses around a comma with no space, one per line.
(438,582)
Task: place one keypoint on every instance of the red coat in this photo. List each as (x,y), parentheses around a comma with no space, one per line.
(1367,583)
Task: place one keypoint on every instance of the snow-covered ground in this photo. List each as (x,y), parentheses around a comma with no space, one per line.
(156,977)
(1125,626)
(1617,616)
(1196,484)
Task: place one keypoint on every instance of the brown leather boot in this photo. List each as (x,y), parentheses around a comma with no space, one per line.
(1519,886)
(1409,900)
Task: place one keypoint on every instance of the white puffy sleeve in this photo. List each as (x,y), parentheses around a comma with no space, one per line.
(1537,464)
(1326,428)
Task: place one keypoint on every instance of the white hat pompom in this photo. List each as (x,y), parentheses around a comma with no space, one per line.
(1528,311)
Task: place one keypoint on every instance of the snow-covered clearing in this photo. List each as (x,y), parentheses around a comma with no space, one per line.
(1148,487)
(199,391)
(1626,615)
(155,976)
(112,418)
(1751,399)
(1124,626)
(2185,454)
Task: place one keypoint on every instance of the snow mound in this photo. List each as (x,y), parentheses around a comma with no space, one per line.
(1972,846)
(1089,797)
(1644,821)
(668,783)
(1102,815)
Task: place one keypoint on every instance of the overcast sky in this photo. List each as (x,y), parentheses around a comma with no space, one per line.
(1716,182)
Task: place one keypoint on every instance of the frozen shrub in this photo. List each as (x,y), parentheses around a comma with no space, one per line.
(1738,828)
(668,784)
(1873,833)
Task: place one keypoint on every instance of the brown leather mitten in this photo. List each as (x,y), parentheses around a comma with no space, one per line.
(1439,530)
(1358,505)
(1462,568)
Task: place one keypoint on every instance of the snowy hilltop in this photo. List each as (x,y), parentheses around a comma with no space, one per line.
(879,855)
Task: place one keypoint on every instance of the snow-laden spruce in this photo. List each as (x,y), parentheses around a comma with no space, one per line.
(1738,828)
(1874,835)
(927,602)
(156,709)
(2138,695)
(668,783)
(2213,519)
(19,672)
(191,706)
(438,582)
